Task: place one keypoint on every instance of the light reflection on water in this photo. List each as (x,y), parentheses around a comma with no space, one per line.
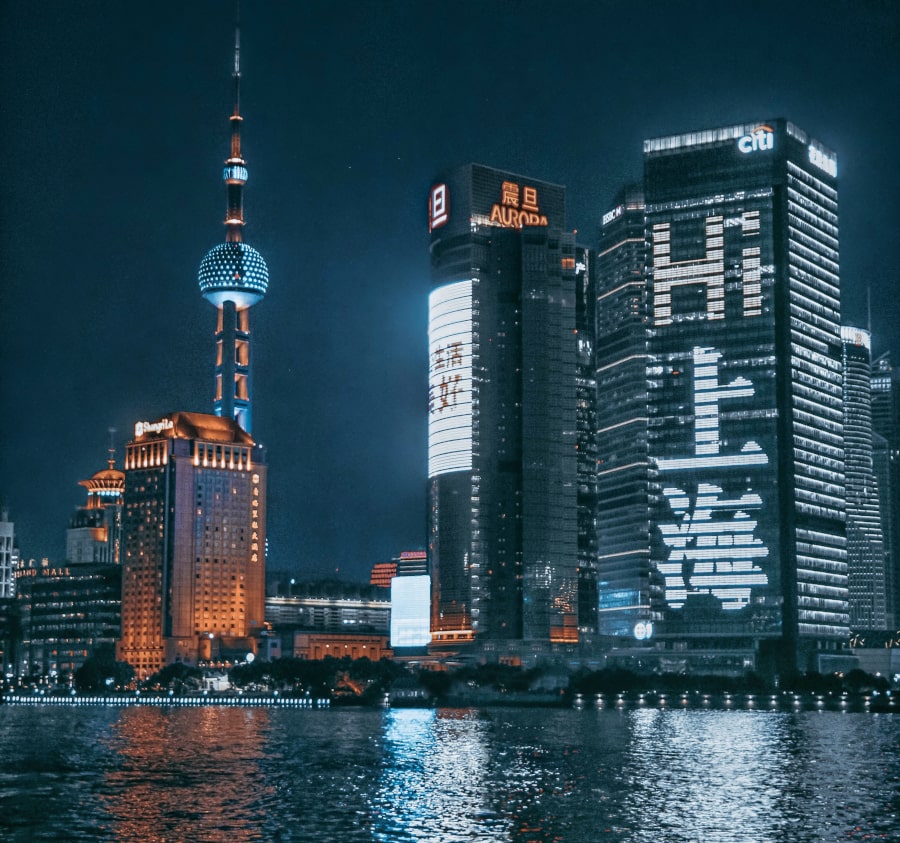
(185,778)
(433,782)
(541,775)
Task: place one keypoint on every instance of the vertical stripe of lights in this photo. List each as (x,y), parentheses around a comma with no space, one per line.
(450,379)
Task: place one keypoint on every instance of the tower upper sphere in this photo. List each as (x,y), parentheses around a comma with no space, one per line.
(233,271)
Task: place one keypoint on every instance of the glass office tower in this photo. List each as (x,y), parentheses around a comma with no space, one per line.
(502,463)
(866,570)
(886,457)
(630,592)
(745,422)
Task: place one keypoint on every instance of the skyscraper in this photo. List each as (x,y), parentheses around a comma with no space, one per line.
(72,611)
(744,397)
(9,555)
(233,277)
(95,531)
(886,455)
(194,557)
(630,591)
(502,464)
(866,571)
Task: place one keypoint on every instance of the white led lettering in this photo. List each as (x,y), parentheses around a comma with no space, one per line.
(761,138)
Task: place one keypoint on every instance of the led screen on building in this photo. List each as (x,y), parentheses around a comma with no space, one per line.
(450,379)
(411,611)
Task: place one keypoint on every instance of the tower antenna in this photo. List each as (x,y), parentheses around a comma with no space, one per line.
(869,307)
(112,448)
(237,58)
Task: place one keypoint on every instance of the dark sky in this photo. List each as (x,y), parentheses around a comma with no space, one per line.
(114,130)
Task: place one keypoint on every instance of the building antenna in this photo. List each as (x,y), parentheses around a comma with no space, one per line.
(869,307)
(237,57)
(112,448)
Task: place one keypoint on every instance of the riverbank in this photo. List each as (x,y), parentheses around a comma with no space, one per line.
(167,701)
(781,702)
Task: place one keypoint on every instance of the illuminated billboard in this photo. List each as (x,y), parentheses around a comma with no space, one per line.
(411,611)
(450,379)
(712,541)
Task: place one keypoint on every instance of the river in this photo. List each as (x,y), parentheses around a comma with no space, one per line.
(642,775)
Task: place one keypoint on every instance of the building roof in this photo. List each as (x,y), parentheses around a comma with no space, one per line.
(204,426)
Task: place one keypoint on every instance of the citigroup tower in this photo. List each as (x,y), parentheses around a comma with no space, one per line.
(744,396)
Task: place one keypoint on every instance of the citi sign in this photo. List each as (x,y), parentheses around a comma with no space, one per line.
(762,137)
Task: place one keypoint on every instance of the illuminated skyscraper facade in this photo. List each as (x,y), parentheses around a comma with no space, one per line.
(866,571)
(8,557)
(194,524)
(73,611)
(233,277)
(744,396)
(502,465)
(95,531)
(886,457)
(629,593)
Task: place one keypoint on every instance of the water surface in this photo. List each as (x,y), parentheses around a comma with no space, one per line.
(542,775)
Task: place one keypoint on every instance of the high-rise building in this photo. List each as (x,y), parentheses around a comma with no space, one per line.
(502,460)
(586,440)
(9,555)
(866,571)
(630,591)
(10,628)
(72,611)
(95,531)
(194,527)
(886,455)
(68,614)
(744,397)
(233,277)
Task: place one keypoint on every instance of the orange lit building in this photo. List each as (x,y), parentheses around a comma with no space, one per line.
(194,527)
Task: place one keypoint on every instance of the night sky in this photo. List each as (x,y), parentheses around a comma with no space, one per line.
(114,130)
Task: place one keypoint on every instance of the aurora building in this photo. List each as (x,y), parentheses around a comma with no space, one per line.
(502,460)
(745,426)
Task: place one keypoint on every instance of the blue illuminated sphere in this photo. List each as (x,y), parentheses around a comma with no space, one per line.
(233,272)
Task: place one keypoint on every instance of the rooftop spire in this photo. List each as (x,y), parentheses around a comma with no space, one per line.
(236,168)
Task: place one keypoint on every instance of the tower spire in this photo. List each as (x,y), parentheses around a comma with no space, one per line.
(236,167)
(233,276)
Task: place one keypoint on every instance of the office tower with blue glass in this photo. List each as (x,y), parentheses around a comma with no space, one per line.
(744,398)
(502,460)
(867,575)
(886,461)
(629,591)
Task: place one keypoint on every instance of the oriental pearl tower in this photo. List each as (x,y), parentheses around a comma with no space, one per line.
(233,277)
